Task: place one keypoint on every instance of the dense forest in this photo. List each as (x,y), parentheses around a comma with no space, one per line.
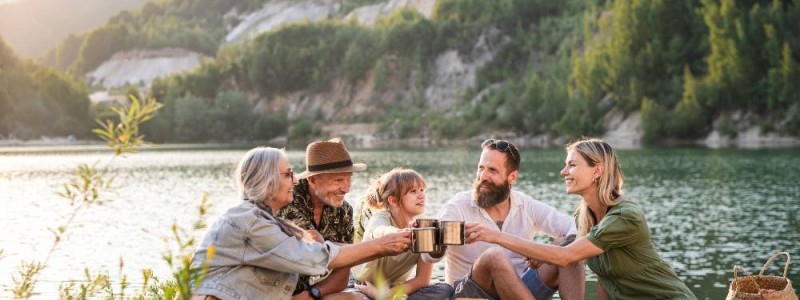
(562,66)
(39,101)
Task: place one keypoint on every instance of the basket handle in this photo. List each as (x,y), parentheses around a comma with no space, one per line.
(736,278)
(785,268)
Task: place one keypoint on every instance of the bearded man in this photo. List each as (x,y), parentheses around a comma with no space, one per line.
(483,270)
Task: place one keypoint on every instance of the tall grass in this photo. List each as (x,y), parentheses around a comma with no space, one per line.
(86,188)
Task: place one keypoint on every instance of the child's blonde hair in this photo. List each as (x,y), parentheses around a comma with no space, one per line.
(396,182)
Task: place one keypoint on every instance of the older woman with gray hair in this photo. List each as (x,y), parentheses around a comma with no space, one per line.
(257,255)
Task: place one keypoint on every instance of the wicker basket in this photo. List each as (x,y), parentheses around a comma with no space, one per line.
(762,287)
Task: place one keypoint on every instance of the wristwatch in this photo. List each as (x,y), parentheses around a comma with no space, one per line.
(314,293)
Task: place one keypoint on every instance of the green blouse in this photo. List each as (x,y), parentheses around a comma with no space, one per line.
(630,267)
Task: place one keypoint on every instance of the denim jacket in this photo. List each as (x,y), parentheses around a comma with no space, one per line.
(255,259)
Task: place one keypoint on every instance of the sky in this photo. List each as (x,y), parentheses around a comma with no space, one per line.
(32,27)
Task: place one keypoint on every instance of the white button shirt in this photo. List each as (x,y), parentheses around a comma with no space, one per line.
(525,219)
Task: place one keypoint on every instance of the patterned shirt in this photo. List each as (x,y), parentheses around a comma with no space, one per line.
(336,224)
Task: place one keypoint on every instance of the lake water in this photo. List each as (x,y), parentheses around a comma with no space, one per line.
(707,209)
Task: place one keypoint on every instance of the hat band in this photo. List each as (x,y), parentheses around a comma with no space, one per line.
(335,165)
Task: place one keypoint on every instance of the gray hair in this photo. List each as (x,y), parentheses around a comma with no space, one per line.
(257,175)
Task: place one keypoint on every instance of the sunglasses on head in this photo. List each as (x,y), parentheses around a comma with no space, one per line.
(500,145)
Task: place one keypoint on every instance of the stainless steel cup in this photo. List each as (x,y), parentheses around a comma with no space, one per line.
(420,223)
(427,223)
(423,240)
(451,232)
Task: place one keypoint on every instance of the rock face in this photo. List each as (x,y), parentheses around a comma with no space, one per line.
(368,15)
(277,13)
(142,66)
(623,131)
(455,73)
(742,130)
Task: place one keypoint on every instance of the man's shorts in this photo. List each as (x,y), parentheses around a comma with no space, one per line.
(466,288)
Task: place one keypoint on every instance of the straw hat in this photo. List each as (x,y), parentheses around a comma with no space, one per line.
(329,157)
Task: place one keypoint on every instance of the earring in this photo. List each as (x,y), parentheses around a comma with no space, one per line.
(596,179)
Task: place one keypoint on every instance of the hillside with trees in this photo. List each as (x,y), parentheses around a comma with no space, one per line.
(195,25)
(39,101)
(555,68)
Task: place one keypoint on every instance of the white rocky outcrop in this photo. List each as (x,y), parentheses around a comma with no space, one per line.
(143,66)
(368,15)
(623,131)
(456,73)
(751,137)
(747,131)
(277,13)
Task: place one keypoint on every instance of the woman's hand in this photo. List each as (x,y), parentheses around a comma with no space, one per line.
(368,289)
(394,243)
(476,232)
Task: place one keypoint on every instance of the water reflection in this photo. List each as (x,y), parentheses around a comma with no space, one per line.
(707,210)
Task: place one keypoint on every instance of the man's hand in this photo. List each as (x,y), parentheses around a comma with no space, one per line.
(476,232)
(532,263)
(301,296)
(394,243)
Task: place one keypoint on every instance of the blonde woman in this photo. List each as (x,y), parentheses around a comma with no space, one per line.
(258,255)
(397,199)
(613,235)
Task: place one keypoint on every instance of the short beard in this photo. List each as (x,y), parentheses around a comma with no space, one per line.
(325,200)
(495,195)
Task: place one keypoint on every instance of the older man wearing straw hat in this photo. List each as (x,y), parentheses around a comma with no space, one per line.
(319,207)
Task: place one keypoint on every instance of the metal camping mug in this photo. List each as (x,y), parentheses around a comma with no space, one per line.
(427,223)
(451,232)
(423,240)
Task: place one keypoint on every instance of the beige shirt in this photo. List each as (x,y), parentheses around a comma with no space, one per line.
(396,269)
(526,218)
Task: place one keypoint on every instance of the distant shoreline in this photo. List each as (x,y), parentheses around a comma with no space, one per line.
(96,146)
(63,144)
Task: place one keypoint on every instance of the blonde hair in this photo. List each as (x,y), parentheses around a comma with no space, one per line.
(257,174)
(609,184)
(396,182)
